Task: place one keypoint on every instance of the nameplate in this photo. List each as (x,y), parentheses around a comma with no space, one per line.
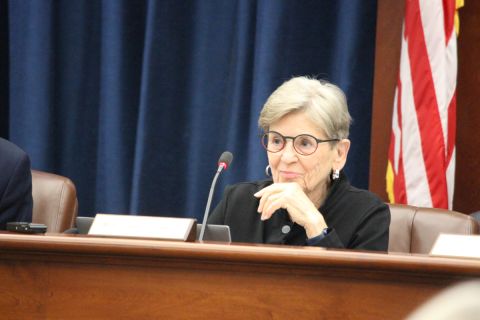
(114,225)
(453,245)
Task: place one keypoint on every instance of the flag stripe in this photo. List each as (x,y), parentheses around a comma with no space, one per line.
(428,117)
(448,17)
(413,166)
(399,187)
(432,18)
(452,111)
(422,142)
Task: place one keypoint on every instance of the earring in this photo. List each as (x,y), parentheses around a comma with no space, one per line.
(268,171)
(335,174)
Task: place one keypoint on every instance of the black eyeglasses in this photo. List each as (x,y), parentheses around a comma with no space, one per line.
(304,144)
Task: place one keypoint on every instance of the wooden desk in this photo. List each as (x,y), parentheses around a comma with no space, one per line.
(72,277)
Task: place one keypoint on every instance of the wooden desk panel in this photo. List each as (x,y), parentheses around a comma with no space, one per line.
(67,277)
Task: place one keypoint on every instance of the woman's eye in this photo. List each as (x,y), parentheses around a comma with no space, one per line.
(305,142)
(276,141)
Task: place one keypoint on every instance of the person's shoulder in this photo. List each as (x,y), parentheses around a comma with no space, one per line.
(361,197)
(10,150)
(363,193)
(11,154)
(15,164)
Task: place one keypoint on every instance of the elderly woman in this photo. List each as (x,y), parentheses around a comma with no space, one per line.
(308,200)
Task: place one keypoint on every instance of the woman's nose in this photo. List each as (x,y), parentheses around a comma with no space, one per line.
(288,153)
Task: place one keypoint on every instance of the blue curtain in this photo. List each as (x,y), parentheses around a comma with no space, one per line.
(136,100)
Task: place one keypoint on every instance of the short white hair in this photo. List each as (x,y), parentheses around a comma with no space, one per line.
(323,102)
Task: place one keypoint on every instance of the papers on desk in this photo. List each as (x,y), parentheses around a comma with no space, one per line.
(455,245)
(114,225)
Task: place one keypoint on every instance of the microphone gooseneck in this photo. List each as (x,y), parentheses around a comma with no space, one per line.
(223,163)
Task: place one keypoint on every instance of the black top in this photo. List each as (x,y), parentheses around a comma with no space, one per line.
(15,184)
(357,219)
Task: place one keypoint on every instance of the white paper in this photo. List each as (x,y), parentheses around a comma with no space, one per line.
(141,226)
(457,246)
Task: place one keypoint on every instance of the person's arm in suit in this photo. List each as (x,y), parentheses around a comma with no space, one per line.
(15,189)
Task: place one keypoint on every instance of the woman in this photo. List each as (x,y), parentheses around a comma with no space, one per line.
(310,201)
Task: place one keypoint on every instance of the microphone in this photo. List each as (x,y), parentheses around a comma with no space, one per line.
(225,159)
(223,162)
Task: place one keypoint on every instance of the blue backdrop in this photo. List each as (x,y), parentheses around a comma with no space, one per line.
(136,100)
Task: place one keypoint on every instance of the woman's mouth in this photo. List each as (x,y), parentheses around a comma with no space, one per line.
(289,175)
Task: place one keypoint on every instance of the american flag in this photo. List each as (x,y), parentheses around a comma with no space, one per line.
(421,159)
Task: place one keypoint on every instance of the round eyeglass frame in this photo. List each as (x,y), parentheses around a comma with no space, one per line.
(264,139)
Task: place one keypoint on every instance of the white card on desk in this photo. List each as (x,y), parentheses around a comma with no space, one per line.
(456,245)
(115,225)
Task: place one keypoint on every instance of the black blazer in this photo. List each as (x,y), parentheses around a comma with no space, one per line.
(15,184)
(357,219)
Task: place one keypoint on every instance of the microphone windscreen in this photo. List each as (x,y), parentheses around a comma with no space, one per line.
(225,159)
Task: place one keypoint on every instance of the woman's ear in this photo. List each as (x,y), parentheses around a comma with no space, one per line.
(341,154)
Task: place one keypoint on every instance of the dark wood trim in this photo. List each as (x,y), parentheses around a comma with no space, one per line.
(387,59)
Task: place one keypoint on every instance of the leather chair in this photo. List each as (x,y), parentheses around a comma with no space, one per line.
(476,215)
(415,229)
(55,201)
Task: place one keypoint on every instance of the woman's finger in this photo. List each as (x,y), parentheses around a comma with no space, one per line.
(265,193)
(272,204)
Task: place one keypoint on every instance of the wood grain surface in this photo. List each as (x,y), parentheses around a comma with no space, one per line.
(74,277)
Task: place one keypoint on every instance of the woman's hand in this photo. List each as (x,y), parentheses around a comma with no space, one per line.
(291,197)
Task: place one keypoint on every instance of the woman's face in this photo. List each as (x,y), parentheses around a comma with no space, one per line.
(311,172)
